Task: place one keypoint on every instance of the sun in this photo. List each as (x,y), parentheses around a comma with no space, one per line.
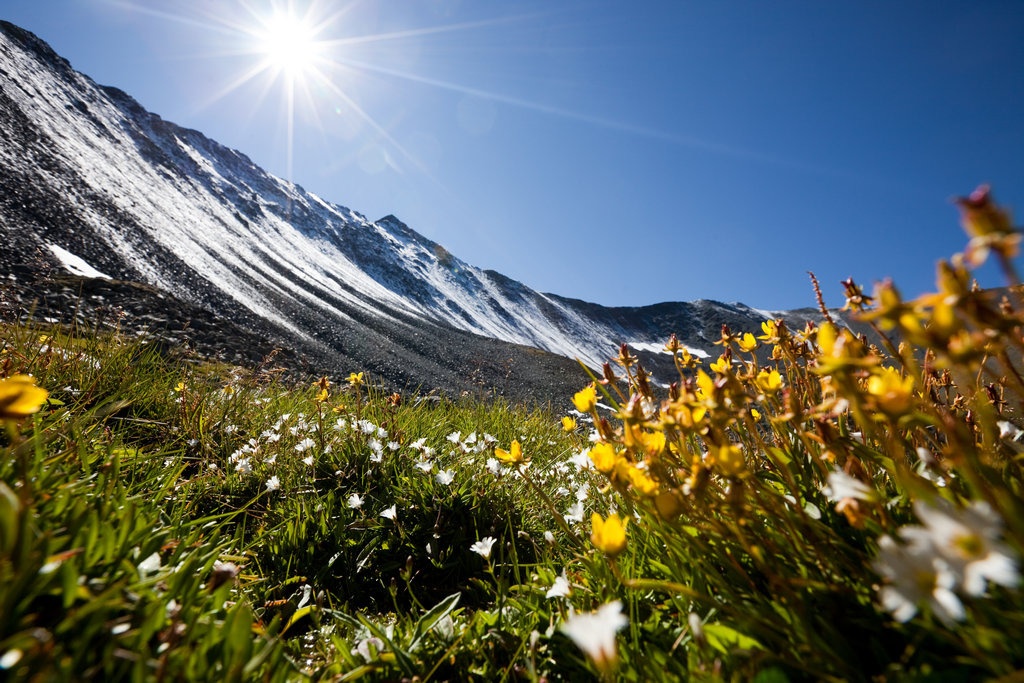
(288,44)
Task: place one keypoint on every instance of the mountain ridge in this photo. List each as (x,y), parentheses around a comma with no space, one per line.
(88,169)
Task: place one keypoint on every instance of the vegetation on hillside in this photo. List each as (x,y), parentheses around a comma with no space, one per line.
(848,510)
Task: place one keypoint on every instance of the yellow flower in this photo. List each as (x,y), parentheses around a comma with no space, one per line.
(721,365)
(641,482)
(604,457)
(322,396)
(768,381)
(355,379)
(748,343)
(180,386)
(609,535)
(568,423)
(755,413)
(20,397)
(585,399)
(705,384)
(513,456)
(730,461)
(893,393)
(771,332)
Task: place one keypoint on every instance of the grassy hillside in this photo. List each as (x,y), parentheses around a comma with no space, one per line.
(842,512)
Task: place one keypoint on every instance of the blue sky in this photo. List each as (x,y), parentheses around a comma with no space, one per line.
(622,153)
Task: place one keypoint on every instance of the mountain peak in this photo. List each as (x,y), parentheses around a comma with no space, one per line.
(88,170)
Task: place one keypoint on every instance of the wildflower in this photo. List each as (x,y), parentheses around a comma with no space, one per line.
(748,343)
(730,461)
(444,477)
(560,588)
(369,648)
(273,484)
(513,456)
(721,366)
(390,513)
(575,513)
(604,457)
(967,541)
(549,538)
(594,633)
(769,381)
(914,574)
(841,485)
(150,565)
(355,501)
(424,466)
(179,387)
(585,399)
(20,397)
(608,535)
(304,444)
(355,379)
(893,393)
(493,466)
(243,466)
(568,424)
(483,547)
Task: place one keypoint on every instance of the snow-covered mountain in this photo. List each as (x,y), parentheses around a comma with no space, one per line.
(95,182)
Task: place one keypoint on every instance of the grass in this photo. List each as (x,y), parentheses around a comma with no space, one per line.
(843,511)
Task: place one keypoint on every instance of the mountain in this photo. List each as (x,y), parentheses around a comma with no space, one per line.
(92,183)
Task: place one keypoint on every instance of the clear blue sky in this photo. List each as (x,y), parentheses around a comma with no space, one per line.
(623,153)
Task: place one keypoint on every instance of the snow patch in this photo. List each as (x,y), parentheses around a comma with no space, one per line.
(660,348)
(75,264)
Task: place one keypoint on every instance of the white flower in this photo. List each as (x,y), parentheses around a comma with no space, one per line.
(841,485)
(560,588)
(1008,430)
(444,477)
(390,513)
(243,466)
(483,546)
(549,537)
(915,574)
(454,437)
(304,444)
(273,483)
(968,541)
(308,461)
(493,466)
(375,446)
(418,444)
(424,465)
(150,565)
(594,632)
(394,445)
(575,513)
(369,648)
(355,501)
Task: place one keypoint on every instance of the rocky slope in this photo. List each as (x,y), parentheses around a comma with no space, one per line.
(92,183)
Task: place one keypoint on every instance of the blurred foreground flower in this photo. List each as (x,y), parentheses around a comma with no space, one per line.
(594,633)
(20,397)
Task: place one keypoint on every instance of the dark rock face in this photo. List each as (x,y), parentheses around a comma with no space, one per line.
(193,232)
